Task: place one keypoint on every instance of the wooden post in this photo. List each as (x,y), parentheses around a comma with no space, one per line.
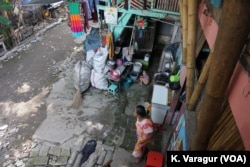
(200,85)
(184,31)
(191,47)
(181,10)
(233,31)
(181,20)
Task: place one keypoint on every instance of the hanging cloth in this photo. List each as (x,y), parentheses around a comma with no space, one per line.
(75,19)
(93,4)
(85,14)
(110,45)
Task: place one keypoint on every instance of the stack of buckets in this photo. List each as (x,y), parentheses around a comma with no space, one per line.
(134,74)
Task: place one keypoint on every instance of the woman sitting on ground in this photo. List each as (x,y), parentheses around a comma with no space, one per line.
(144,78)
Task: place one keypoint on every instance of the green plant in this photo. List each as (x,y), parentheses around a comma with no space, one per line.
(5,23)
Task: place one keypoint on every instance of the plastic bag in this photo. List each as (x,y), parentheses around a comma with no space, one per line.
(82,74)
(99,80)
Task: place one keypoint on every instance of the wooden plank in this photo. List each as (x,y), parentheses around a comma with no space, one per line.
(139,4)
(173,4)
(136,4)
(176,5)
(159,4)
(226,135)
(171,111)
(165,5)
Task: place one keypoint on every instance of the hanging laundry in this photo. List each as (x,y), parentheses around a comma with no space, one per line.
(110,45)
(88,9)
(75,19)
(85,14)
(93,7)
(93,4)
(93,40)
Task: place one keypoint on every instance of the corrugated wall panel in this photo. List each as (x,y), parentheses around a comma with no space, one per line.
(170,5)
(226,135)
(139,4)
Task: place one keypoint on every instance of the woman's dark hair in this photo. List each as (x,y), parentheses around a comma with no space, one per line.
(140,110)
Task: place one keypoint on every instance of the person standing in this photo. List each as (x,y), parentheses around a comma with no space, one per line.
(144,132)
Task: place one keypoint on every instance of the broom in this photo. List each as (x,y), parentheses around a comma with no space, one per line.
(77,101)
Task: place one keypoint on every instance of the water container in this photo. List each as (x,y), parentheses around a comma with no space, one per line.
(137,67)
(134,75)
(146,57)
(127,82)
(158,113)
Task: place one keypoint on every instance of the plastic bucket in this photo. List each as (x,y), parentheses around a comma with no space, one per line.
(137,67)
(134,75)
(127,82)
(158,113)
(146,57)
(111,64)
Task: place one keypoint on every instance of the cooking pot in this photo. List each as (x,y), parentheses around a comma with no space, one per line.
(115,74)
(111,64)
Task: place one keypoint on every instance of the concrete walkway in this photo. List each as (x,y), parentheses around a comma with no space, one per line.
(102,117)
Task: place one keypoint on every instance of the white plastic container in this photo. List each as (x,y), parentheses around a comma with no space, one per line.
(158,113)
(137,67)
(160,94)
(146,57)
(134,75)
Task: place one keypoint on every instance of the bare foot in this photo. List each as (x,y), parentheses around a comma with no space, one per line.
(137,160)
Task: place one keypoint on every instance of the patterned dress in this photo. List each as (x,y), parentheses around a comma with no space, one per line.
(144,128)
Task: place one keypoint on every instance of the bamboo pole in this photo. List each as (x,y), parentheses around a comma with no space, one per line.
(191,46)
(184,30)
(200,85)
(181,15)
(233,31)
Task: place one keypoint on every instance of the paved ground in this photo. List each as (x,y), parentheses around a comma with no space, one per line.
(37,89)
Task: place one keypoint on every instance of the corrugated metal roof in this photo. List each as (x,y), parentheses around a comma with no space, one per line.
(38,2)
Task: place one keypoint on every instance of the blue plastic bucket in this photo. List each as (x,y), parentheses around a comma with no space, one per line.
(134,75)
(127,82)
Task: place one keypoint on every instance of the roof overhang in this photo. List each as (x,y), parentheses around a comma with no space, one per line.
(38,2)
